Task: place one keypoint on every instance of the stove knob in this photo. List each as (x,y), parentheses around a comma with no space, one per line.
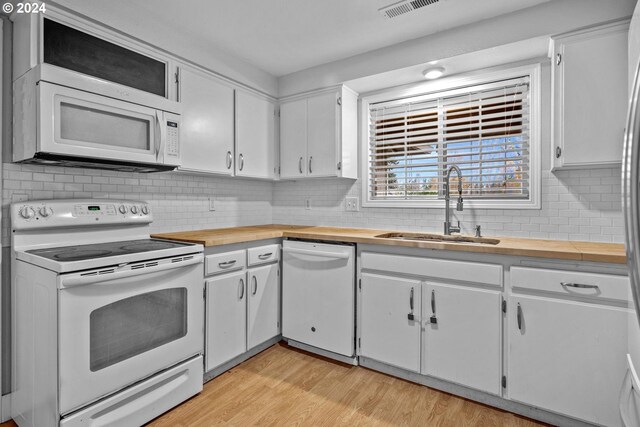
(122,209)
(145,210)
(134,209)
(45,211)
(27,212)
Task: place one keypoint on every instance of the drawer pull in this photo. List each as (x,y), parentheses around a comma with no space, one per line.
(265,256)
(578,285)
(226,264)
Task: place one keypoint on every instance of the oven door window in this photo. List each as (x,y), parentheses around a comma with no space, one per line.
(134,325)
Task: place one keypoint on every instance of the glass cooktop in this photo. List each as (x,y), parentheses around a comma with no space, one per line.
(103,250)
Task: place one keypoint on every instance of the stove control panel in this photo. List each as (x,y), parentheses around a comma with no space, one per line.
(77,213)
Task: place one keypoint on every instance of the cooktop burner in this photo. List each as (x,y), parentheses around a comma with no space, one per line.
(103,250)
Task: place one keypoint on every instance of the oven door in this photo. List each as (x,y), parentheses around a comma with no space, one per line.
(82,124)
(124,326)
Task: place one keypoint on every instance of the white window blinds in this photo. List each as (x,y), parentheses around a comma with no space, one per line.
(483,129)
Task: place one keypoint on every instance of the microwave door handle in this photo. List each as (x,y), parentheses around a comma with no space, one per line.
(161,136)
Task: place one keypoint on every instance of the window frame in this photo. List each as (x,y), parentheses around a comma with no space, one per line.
(452,83)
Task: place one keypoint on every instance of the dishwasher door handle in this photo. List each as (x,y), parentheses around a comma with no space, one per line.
(320,254)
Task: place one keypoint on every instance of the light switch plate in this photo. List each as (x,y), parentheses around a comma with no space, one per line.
(351,204)
(212,204)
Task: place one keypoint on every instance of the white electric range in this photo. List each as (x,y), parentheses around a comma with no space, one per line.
(107,322)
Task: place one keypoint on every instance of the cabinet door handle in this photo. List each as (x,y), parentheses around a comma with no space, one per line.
(519,316)
(241,288)
(310,160)
(226,264)
(265,256)
(255,285)
(300,165)
(433,319)
(229,159)
(411,299)
(558,58)
(578,285)
(241,165)
(433,302)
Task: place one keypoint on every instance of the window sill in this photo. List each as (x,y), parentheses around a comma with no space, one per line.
(440,204)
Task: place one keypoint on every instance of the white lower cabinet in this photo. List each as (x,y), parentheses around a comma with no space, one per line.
(263,313)
(387,333)
(567,357)
(463,335)
(226,317)
(243,306)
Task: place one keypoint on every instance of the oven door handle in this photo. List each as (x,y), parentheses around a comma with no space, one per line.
(79,279)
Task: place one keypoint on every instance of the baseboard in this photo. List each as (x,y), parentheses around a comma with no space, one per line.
(324,353)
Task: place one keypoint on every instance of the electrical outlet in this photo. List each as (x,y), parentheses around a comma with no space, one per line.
(307,204)
(212,204)
(351,204)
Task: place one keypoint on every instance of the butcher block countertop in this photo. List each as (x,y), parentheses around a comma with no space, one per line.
(556,249)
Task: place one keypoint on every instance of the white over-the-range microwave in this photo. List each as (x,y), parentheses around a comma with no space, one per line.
(73,119)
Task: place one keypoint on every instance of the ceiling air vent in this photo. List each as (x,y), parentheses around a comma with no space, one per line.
(405,6)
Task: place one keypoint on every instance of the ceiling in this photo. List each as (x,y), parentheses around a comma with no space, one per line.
(285,36)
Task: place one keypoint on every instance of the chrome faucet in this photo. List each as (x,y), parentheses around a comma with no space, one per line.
(448,228)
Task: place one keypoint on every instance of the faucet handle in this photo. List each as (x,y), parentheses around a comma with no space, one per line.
(478,232)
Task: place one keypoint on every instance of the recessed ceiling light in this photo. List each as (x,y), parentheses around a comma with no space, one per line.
(433,73)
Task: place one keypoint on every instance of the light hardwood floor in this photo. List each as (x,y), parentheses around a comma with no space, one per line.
(286,387)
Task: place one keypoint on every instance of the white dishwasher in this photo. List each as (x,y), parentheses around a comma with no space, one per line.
(318,298)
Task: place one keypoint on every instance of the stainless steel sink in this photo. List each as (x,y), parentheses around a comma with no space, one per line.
(438,238)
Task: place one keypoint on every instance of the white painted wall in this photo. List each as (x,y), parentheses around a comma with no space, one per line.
(553,17)
(576,205)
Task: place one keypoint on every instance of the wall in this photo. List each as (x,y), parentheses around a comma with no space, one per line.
(552,17)
(179,201)
(576,205)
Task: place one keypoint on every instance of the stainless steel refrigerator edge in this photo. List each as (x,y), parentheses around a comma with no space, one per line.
(630,393)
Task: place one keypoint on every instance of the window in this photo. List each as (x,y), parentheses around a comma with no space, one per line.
(482,125)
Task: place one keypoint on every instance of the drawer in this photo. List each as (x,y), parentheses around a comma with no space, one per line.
(226,261)
(263,254)
(473,272)
(571,283)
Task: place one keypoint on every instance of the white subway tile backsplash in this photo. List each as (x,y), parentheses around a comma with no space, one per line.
(179,201)
(578,205)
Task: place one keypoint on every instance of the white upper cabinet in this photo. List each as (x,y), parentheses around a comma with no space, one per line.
(207,122)
(589,79)
(318,135)
(293,139)
(255,136)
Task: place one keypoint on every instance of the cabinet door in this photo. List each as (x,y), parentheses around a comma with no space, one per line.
(590,97)
(387,335)
(226,317)
(464,346)
(567,357)
(255,138)
(263,314)
(323,124)
(293,139)
(207,123)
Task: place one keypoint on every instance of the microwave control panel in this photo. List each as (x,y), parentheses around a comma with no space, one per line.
(173,138)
